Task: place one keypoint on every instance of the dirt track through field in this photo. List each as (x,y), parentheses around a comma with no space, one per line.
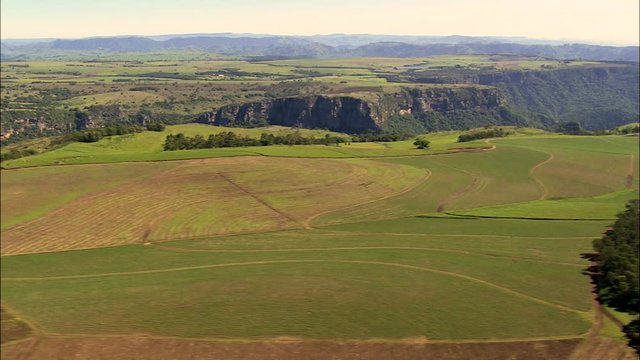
(596,347)
(272,262)
(629,178)
(545,190)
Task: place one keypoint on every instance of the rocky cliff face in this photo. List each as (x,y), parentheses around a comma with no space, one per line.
(346,114)
(351,114)
(418,100)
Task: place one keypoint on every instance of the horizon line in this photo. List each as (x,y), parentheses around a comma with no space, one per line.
(564,40)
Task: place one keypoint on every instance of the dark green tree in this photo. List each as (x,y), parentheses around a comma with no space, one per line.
(618,274)
(571,128)
(422,143)
(632,331)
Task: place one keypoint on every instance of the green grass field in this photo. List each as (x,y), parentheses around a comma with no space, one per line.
(148,145)
(372,241)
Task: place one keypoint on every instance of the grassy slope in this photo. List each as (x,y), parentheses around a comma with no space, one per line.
(439,277)
(147,146)
(325,299)
(274,300)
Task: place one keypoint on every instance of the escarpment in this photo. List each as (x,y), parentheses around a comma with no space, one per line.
(346,114)
(351,114)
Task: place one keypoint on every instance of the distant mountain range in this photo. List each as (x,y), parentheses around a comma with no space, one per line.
(336,45)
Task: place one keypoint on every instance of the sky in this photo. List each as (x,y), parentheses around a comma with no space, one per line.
(599,21)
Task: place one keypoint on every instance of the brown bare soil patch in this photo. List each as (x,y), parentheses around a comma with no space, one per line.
(126,348)
(600,348)
(11,328)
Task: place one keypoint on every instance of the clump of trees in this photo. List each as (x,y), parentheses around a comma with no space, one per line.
(385,136)
(15,154)
(421,143)
(618,272)
(484,134)
(628,130)
(570,128)
(155,127)
(96,134)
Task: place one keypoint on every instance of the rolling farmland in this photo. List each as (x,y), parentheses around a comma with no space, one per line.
(379,246)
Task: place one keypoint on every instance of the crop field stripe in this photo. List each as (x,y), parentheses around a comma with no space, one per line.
(271,262)
(307,223)
(179,249)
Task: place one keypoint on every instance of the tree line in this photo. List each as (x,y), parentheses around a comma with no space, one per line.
(96,134)
(617,273)
(230,139)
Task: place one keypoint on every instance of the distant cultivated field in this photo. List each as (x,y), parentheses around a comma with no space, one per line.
(481,246)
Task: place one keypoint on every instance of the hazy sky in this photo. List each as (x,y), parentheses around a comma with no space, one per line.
(606,21)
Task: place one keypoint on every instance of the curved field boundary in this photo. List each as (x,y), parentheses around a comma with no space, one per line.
(271,262)
(223,251)
(307,222)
